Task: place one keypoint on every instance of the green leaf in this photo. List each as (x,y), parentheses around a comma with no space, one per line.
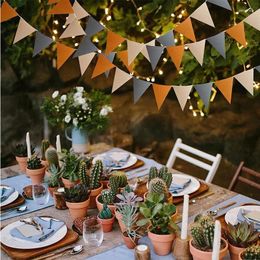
(146,212)
(142,222)
(156,209)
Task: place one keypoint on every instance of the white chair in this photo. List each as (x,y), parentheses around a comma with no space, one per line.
(211,168)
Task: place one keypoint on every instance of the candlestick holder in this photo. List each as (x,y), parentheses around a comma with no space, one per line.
(142,252)
(181,250)
(59,201)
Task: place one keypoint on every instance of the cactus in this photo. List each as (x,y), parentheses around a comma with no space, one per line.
(198,236)
(77,193)
(153,173)
(95,175)
(113,183)
(84,178)
(105,213)
(45,145)
(252,253)
(51,156)
(121,178)
(108,196)
(158,185)
(165,175)
(34,163)
(21,150)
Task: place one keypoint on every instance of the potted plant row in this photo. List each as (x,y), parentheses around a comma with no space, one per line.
(35,169)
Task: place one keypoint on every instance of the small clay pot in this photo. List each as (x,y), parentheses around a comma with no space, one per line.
(100,205)
(22,162)
(130,243)
(45,163)
(78,209)
(119,219)
(105,183)
(107,224)
(93,194)
(51,190)
(69,184)
(36,175)
(235,251)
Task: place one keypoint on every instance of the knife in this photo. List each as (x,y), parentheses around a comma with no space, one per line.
(46,236)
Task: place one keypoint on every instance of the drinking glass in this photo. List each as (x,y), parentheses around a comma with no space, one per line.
(40,193)
(92,231)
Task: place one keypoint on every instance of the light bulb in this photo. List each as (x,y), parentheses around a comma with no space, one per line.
(160,72)
(55,31)
(106,10)
(148,79)
(142,30)
(140,8)
(180,16)
(99,51)
(172,15)
(175,40)
(53,37)
(190,107)
(56,21)
(76,44)
(164,59)
(194,114)
(153,79)
(109,18)
(138,23)
(181,72)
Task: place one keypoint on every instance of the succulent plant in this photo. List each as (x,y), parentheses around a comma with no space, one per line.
(165,175)
(129,198)
(157,185)
(95,175)
(153,173)
(241,234)
(77,193)
(45,145)
(34,163)
(51,156)
(108,196)
(54,179)
(105,213)
(70,167)
(84,178)
(121,178)
(21,150)
(252,253)
(114,185)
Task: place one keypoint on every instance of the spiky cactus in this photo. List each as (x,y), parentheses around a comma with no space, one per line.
(113,183)
(105,213)
(95,175)
(51,156)
(165,175)
(157,185)
(21,150)
(34,163)
(121,178)
(252,253)
(77,193)
(108,196)
(153,173)
(45,145)
(84,178)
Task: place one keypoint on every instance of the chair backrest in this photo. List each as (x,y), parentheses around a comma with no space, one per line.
(211,168)
(242,169)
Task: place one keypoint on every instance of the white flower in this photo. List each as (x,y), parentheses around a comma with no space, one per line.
(80,89)
(55,94)
(85,106)
(81,101)
(63,98)
(105,110)
(77,96)
(67,118)
(75,121)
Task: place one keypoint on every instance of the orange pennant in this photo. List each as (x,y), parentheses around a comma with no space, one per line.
(225,86)
(53,2)
(7,12)
(176,53)
(160,93)
(186,29)
(103,64)
(123,56)
(238,33)
(63,53)
(62,7)
(113,40)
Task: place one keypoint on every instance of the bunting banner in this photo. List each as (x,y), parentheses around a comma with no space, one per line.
(63,53)
(134,48)
(176,53)
(155,54)
(62,7)
(86,46)
(93,27)
(218,42)
(23,30)
(41,42)
(52,2)
(166,39)
(197,49)
(186,29)
(113,40)
(74,29)
(237,32)
(222,3)
(140,86)
(204,91)
(120,79)
(110,57)
(144,50)
(182,93)
(123,56)
(7,12)
(253,19)
(225,86)
(84,61)
(246,79)
(160,93)
(103,64)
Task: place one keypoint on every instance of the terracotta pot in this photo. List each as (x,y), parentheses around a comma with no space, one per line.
(69,184)
(51,190)
(203,255)
(36,175)
(78,209)
(240,255)
(129,242)
(100,205)
(235,251)
(162,244)
(107,224)
(22,162)
(45,163)
(119,219)
(105,183)
(93,194)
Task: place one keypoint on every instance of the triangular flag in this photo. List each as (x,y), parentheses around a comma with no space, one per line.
(103,64)
(84,61)
(225,86)
(186,29)
(93,27)
(111,57)
(246,78)
(222,3)
(86,46)
(176,53)
(166,39)
(160,93)
(197,49)
(140,86)
(204,91)
(113,40)
(62,7)
(134,48)
(123,56)
(7,12)
(73,29)
(258,68)
(182,93)
(144,50)
(218,42)
(238,33)
(41,42)
(253,19)
(120,79)
(23,30)
(63,53)
(155,53)
(203,15)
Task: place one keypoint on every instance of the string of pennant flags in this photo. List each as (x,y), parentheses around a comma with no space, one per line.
(87,50)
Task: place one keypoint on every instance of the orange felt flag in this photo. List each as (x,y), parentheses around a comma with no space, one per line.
(225,86)
(113,40)
(160,93)
(237,32)
(176,53)
(7,12)
(62,7)
(186,29)
(103,64)
(63,53)
(123,56)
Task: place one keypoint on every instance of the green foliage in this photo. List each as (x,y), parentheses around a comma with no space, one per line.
(21,150)
(95,175)
(70,167)
(120,177)
(77,193)
(163,174)
(84,178)
(113,183)
(51,156)
(105,213)
(45,145)
(34,163)
(54,179)
(251,253)
(153,173)
(108,196)
(158,186)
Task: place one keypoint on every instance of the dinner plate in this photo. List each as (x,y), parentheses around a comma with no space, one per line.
(11,198)
(131,160)
(13,242)
(231,215)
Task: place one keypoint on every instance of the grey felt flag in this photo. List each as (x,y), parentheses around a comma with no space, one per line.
(41,42)
(166,39)
(204,91)
(222,3)
(86,46)
(93,27)
(218,42)
(140,86)
(155,53)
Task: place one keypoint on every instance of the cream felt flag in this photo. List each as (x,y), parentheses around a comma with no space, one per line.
(182,93)
(197,49)
(23,30)
(84,61)
(120,79)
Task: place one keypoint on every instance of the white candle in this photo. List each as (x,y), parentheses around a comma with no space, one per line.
(58,145)
(216,241)
(28,143)
(185,215)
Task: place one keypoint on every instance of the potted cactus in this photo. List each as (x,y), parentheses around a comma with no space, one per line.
(52,158)
(54,178)
(106,218)
(119,179)
(105,177)
(201,244)
(239,237)
(251,253)
(35,170)
(163,174)
(77,200)
(44,146)
(107,197)
(20,153)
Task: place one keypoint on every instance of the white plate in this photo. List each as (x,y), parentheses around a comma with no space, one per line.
(131,161)
(13,242)
(11,198)
(231,215)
